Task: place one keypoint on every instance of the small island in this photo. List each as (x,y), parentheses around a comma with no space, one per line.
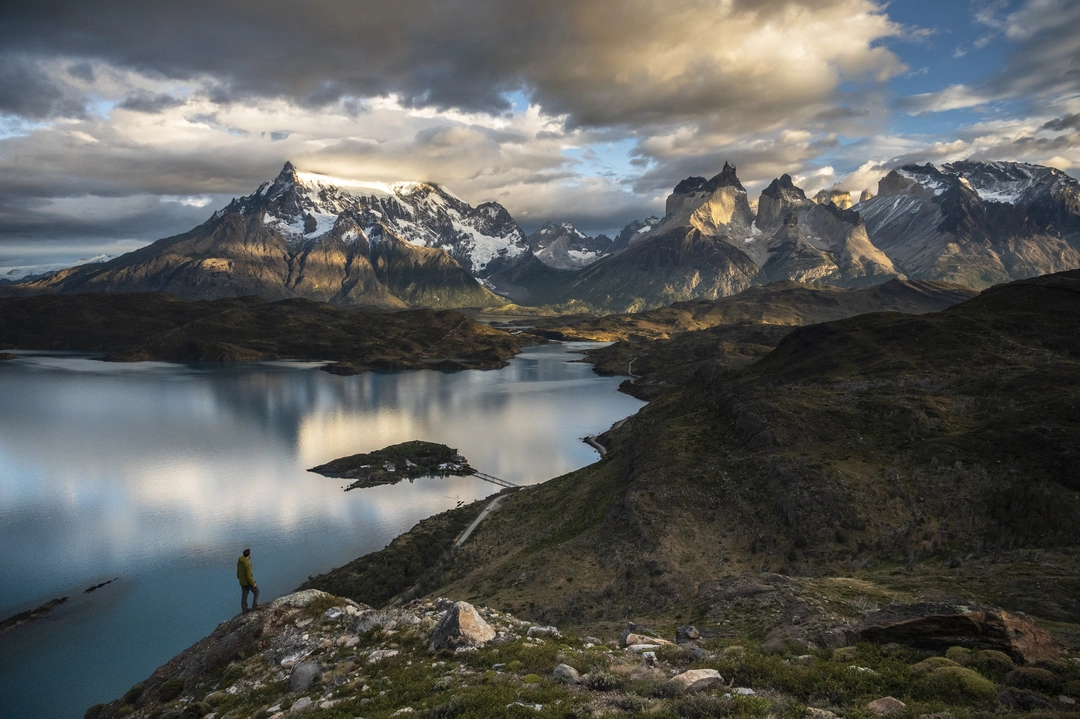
(392,464)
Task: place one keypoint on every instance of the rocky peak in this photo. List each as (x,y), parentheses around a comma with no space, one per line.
(709,205)
(783,187)
(835,196)
(866,195)
(634,231)
(778,200)
(725,178)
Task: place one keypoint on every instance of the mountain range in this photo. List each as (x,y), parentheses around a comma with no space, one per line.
(408,244)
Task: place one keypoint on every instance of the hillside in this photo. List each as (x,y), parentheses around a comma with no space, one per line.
(316,655)
(930,457)
(134,326)
(777,303)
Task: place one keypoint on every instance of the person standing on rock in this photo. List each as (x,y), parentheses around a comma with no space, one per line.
(247,581)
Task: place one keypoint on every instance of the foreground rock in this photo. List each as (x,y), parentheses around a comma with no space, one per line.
(886,705)
(695,680)
(938,626)
(462,626)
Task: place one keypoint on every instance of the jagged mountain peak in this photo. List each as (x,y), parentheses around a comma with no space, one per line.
(836,196)
(727,177)
(560,228)
(786,188)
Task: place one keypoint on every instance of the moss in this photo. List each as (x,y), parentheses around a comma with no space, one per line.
(956,685)
(531,679)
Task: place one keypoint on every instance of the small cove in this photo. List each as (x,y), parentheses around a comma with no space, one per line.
(160,473)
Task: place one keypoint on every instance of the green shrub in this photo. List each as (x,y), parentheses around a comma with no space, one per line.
(449,710)
(1040,680)
(991,663)
(170,689)
(134,693)
(531,679)
(960,655)
(928,665)
(845,655)
(232,672)
(601,681)
(630,704)
(702,706)
(956,685)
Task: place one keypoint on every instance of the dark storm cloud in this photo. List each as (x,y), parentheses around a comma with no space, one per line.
(604,62)
(149,102)
(142,217)
(1070,121)
(29,90)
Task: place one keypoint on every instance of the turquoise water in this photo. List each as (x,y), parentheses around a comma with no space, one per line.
(158,474)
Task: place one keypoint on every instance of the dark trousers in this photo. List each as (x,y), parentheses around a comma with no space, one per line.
(244,594)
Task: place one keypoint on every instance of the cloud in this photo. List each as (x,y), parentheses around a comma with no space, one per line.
(1044,64)
(1070,121)
(29,89)
(954,97)
(143,101)
(598,63)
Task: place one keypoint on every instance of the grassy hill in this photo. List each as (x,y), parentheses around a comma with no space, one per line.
(879,457)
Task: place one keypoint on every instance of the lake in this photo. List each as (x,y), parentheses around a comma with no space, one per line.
(159,474)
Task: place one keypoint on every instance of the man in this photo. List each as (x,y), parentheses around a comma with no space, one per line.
(247,582)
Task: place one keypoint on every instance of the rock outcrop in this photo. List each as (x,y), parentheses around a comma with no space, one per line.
(939,626)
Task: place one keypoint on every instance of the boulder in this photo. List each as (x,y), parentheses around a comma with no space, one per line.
(538,631)
(302,677)
(630,640)
(886,705)
(815,713)
(694,680)
(461,626)
(300,705)
(687,634)
(567,674)
(940,626)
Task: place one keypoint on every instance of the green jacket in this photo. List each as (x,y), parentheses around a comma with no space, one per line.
(243,572)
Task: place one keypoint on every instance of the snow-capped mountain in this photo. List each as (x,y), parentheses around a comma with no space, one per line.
(24,273)
(304,206)
(634,231)
(976,223)
(357,243)
(971,223)
(564,247)
(303,235)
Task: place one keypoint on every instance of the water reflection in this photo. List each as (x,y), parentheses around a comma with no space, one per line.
(157,473)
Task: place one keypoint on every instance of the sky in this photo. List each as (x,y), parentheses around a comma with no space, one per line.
(125,121)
